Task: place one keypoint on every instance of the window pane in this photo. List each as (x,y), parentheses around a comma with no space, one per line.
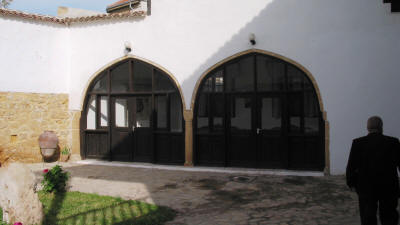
(207,86)
(162,82)
(270,74)
(176,112)
(142,74)
(307,84)
(202,112)
(311,112)
(240,75)
(91,114)
(241,113)
(103,111)
(161,109)
(217,101)
(121,113)
(120,78)
(101,84)
(143,111)
(219,81)
(295,78)
(271,114)
(295,108)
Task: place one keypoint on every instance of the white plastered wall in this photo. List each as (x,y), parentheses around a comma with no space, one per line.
(33,56)
(351,48)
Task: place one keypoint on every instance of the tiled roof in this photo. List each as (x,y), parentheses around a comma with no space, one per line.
(67,20)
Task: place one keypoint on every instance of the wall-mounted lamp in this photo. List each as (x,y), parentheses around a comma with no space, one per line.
(128,48)
(252,38)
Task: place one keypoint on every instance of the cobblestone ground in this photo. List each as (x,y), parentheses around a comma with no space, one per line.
(220,198)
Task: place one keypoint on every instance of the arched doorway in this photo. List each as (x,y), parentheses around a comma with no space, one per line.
(257,110)
(133,112)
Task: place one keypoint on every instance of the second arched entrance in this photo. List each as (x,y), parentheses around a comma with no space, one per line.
(258,111)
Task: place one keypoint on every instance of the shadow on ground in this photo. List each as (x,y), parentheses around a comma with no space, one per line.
(217,198)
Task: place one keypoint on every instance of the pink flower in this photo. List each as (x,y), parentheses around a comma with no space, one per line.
(18,223)
(44,171)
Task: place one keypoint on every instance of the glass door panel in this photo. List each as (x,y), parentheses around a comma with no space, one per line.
(240,116)
(242,151)
(103,111)
(91,114)
(176,113)
(121,128)
(271,114)
(143,112)
(143,132)
(121,112)
(162,112)
(271,150)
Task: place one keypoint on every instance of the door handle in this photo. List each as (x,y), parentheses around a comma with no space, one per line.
(258,130)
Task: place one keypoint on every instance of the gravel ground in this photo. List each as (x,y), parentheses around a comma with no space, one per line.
(222,198)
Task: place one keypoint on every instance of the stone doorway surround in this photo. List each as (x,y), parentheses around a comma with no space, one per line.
(302,68)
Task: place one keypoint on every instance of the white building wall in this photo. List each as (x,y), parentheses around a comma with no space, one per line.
(352,48)
(33,56)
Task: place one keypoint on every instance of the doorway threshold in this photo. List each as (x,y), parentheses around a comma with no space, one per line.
(229,170)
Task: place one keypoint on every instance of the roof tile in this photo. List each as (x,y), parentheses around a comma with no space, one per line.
(69,20)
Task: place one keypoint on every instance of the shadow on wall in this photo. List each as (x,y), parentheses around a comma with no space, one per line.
(299,30)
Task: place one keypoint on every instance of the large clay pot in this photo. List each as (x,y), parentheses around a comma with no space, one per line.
(48,142)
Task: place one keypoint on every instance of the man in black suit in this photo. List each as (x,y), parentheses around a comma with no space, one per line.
(372,171)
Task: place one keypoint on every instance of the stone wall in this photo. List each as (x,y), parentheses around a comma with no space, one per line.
(24,116)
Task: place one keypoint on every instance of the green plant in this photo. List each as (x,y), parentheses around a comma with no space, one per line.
(55,179)
(1,218)
(66,150)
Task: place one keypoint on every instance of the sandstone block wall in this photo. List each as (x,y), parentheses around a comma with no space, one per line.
(24,116)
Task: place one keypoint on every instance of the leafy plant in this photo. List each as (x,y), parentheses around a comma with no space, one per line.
(1,218)
(55,179)
(66,151)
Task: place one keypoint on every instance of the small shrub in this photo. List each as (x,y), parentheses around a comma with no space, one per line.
(1,218)
(55,179)
(65,151)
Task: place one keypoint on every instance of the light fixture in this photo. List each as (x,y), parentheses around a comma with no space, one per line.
(252,38)
(128,47)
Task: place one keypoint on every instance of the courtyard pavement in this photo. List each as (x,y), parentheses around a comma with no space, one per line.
(222,197)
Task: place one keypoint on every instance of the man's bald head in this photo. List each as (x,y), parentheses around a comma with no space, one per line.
(375,125)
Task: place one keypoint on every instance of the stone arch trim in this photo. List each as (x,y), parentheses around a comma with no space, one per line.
(288,60)
(98,72)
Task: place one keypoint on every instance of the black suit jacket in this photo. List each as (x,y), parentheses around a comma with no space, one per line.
(373,163)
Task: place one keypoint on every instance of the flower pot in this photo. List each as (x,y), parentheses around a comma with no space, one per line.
(64,158)
(48,142)
(48,152)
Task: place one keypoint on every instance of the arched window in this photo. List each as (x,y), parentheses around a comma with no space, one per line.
(133,112)
(258,111)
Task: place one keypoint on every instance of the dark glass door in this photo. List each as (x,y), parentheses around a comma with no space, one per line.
(242,151)
(142,127)
(122,115)
(131,132)
(272,152)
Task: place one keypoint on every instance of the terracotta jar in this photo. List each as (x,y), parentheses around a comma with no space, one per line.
(48,142)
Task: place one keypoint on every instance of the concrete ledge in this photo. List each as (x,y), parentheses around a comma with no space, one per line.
(229,170)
